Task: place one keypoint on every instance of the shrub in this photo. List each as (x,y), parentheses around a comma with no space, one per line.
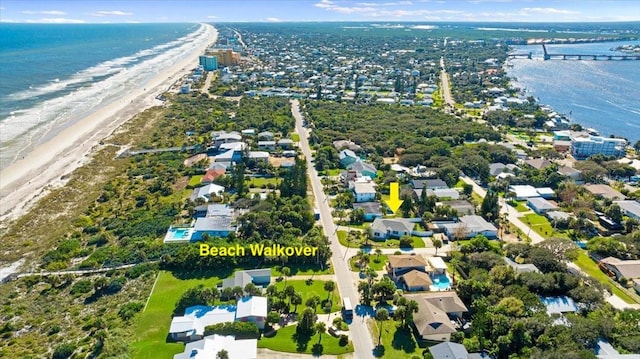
(63,351)
(343,341)
(242,330)
(127,311)
(82,287)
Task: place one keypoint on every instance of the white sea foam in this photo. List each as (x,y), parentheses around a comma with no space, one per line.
(26,128)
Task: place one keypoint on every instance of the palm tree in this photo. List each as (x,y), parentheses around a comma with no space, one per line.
(222,354)
(381,315)
(378,253)
(437,244)
(296,299)
(321,328)
(329,286)
(286,271)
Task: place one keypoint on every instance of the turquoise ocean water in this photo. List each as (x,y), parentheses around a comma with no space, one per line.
(53,75)
(604,95)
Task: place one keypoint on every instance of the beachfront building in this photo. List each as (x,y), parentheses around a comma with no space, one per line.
(208,63)
(583,147)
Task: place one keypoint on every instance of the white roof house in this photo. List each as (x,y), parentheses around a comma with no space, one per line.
(470,226)
(205,192)
(437,263)
(524,191)
(629,208)
(197,318)
(252,307)
(210,346)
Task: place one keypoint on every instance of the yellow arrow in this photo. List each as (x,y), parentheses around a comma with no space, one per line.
(394,201)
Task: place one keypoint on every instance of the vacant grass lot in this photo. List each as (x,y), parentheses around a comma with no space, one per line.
(152,325)
(195,180)
(376,262)
(308,291)
(541,225)
(396,342)
(262,181)
(285,340)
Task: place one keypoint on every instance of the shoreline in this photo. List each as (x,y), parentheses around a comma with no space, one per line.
(578,118)
(46,167)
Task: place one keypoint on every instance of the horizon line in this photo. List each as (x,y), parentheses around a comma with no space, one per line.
(325,21)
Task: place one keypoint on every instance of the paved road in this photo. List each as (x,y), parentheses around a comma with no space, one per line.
(358,329)
(512,213)
(446,89)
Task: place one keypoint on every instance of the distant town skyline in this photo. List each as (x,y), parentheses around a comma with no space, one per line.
(133,11)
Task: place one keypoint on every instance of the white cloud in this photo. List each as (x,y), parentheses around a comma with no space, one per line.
(547,11)
(57,20)
(273,19)
(112,13)
(396,3)
(212,17)
(44,12)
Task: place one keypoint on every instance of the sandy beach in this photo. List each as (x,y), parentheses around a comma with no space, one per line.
(30,178)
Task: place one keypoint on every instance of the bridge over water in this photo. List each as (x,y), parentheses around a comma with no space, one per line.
(573,56)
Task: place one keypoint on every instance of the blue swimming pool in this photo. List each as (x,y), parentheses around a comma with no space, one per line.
(441,281)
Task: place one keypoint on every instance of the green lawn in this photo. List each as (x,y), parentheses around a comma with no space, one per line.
(295,137)
(396,342)
(301,270)
(541,225)
(195,180)
(152,325)
(389,243)
(591,268)
(262,181)
(285,341)
(332,172)
(520,206)
(376,263)
(308,291)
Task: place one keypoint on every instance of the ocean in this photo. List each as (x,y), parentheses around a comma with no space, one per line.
(53,75)
(604,95)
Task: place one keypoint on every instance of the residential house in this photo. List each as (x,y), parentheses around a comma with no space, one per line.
(570,173)
(437,265)
(441,193)
(259,277)
(540,205)
(196,318)
(401,264)
(451,350)
(342,144)
(258,156)
(469,227)
(252,309)
(285,143)
(546,192)
(363,168)
(429,184)
(538,163)
(557,216)
(211,345)
(266,135)
(364,191)
(267,145)
(225,137)
(391,228)
(521,267)
(347,157)
(415,281)
(630,209)
(213,226)
(498,168)
(629,269)
(207,191)
(212,174)
(371,210)
(604,191)
(213,210)
(522,192)
(559,305)
(248,132)
(462,207)
(437,312)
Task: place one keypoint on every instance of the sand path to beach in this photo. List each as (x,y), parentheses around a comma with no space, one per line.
(30,178)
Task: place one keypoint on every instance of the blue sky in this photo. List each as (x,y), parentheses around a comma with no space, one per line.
(94,11)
